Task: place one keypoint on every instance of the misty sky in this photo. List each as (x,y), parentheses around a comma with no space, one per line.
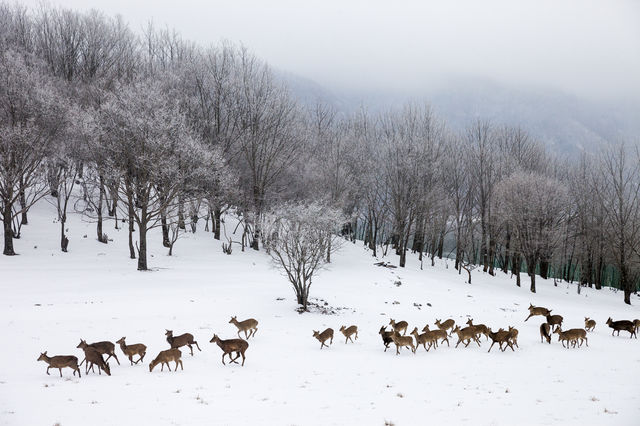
(589,48)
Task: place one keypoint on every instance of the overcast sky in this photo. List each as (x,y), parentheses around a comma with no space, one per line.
(586,47)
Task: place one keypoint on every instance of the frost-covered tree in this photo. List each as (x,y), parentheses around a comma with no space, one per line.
(31,117)
(534,206)
(618,192)
(297,237)
(151,145)
(64,164)
(271,139)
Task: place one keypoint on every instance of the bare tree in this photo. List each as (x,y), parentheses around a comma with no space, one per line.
(149,141)
(297,237)
(271,138)
(534,206)
(618,190)
(31,116)
(482,141)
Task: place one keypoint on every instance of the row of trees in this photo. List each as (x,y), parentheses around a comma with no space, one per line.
(159,132)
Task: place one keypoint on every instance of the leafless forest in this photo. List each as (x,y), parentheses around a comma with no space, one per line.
(156,131)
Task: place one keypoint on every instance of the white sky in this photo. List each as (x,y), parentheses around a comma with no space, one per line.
(586,47)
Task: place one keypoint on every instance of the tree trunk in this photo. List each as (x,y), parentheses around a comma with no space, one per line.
(142,238)
(132,251)
(8,231)
(441,244)
(544,269)
(165,230)
(483,245)
(492,254)
(181,224)
(403,253)
(598,274)
(531,269)
(23,206)
(217,213)
(64,241)
(507,254)
(101,197)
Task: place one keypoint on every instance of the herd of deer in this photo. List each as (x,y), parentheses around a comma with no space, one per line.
(93,353)
(397,335)
(472,332)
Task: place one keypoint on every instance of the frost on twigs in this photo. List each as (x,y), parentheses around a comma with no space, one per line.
(299,238)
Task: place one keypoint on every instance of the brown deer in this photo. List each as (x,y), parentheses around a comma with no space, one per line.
(164,357)
(403,341)
(60,362)
(537,310)
(239,346)
(94,357)
(442,334)
(250,325)
(181,340)
(424,338)
(500,337)
(513,336)
(555,320)
(625,325)
(322,337)
(572,336)
(589,324)
(545,332)
(131,350)
(105,348)
(466,335)
(399,326)
(348,332)
(480,328)
(448,324)
(386,337)
(636,325)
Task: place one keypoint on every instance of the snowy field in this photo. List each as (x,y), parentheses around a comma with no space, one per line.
(50,300)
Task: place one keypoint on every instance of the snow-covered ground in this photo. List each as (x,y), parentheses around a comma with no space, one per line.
(50,300)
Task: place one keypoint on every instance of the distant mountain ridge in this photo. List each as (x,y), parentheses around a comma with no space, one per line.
(565,123)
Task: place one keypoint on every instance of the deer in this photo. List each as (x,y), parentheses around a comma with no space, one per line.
(555,320)
(94,357)
(348,332)
(636,325)
(131,350)
(480,328)
(424,338)
(386,337)
(322,337)
(513,336)
(250,325)
(545,332)
(105,348)
(445,325)
(537,310)
(572,336)
(625,325)
(239,346)
(181,340)
(164,357)
(466,335)
(400,341)
(60,362)
(589,324)
(500,337)
(442,334)
(399,326)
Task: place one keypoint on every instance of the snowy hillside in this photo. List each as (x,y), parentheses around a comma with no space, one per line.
(50,300)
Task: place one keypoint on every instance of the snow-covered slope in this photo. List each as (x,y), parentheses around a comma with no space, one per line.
(50,300)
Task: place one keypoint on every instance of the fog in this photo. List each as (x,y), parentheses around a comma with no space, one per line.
(588,48)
